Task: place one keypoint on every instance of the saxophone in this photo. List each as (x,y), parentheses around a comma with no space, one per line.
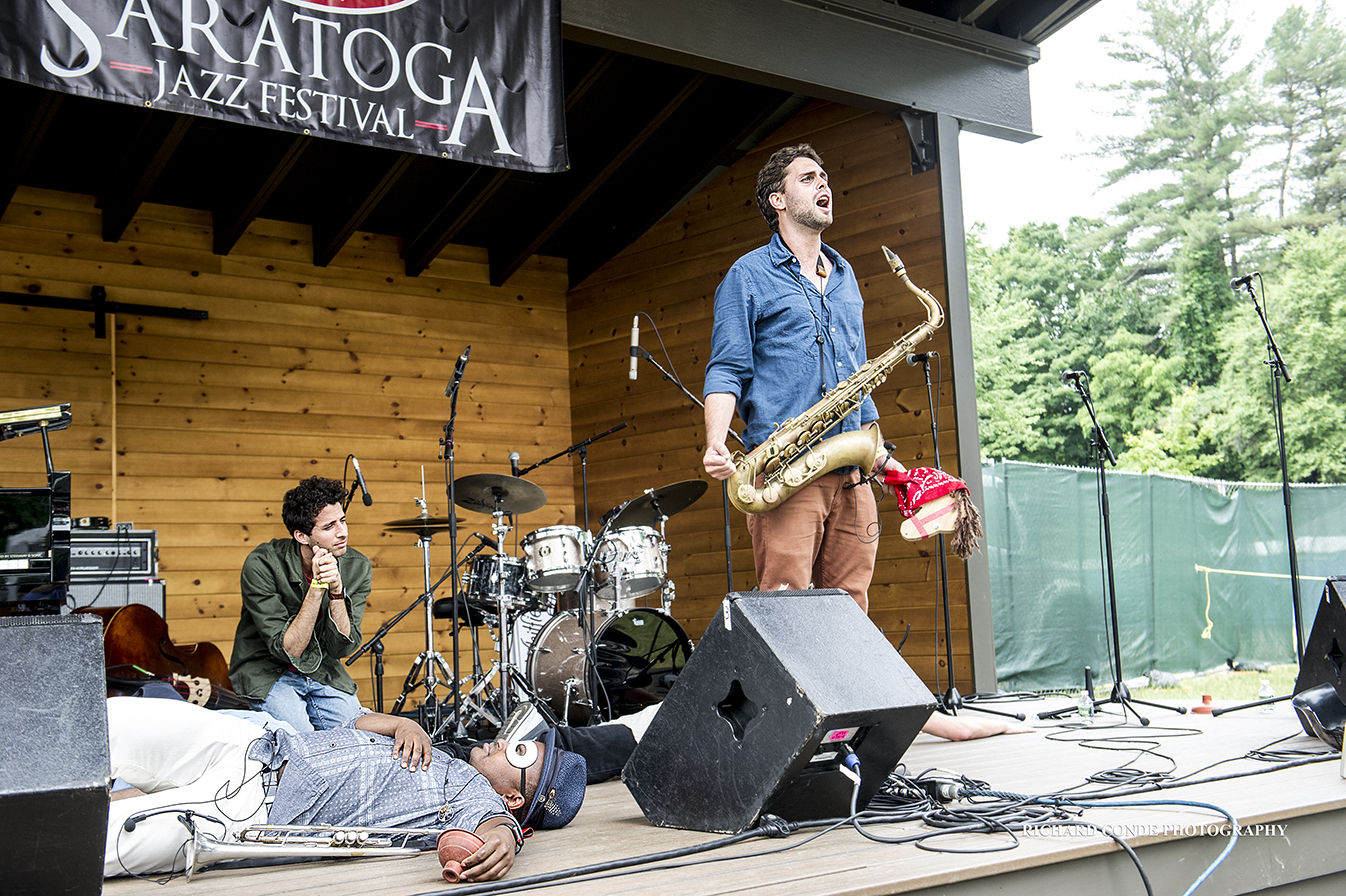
(795,454)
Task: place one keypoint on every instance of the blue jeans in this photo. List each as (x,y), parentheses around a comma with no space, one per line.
(306,704)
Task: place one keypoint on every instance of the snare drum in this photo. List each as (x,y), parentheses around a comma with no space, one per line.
(555,557)
(630,565)
(639,653)
(481,584)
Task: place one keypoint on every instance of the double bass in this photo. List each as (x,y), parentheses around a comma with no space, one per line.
(137,649)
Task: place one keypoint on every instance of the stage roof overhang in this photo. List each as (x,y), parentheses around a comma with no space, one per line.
(659,99)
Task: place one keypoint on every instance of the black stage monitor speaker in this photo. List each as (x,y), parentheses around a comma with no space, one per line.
(757,723)
(53,779)
(1321,713)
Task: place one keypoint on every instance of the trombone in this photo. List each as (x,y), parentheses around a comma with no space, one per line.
(293,841)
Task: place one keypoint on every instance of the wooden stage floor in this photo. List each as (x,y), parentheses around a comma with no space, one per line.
(1301,811)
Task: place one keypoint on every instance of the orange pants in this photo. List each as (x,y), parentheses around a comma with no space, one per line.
(824,536)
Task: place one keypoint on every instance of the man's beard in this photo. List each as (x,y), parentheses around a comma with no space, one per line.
(808,215)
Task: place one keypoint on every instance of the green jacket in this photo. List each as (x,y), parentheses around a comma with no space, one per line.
(274,586)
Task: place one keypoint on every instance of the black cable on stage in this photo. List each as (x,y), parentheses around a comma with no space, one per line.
(766,829)
(1007,813)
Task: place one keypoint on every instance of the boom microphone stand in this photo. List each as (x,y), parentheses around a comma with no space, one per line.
(1121,695)
(950,701)
(638,352)
(1276,364)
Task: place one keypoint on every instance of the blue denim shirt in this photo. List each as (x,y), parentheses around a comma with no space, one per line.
(765,342)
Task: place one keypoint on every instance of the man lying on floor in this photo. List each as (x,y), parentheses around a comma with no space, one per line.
(375,771)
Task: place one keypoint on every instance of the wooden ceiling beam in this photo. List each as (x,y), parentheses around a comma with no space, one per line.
(145,158)
(332,232)
(231,220)
(26,136)
(457,212)
(505,262)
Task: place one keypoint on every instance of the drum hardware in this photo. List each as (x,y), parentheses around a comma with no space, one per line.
(296,841)
(493,577)
(430,660)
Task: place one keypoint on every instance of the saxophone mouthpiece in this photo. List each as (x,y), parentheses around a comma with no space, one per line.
(893,261)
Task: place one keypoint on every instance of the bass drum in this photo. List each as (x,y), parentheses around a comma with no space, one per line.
(639,655)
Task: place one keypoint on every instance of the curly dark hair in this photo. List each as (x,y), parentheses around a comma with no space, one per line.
(771,179)
(306,500)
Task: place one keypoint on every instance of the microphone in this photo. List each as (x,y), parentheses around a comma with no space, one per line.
(514,464)
(635,345)
(488,542)
(130,824)
(360,478)
(458,369)
(1073,377)
(913,360)
(1244,280)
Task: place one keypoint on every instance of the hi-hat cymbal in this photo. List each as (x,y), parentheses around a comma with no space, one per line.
(480,492)
(665,501)
(421,525)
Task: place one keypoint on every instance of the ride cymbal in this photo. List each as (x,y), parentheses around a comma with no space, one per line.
(665,501)
(481,492)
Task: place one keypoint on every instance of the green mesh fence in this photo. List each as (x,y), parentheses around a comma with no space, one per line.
(1202,571)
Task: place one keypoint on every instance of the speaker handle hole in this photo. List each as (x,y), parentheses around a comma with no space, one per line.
(737,710)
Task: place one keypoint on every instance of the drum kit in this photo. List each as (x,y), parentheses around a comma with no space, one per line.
(580,623)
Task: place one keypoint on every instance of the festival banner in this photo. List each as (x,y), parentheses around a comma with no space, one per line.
(474,80)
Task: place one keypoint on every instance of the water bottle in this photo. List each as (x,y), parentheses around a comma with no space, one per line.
(1266,693)
(1085,706)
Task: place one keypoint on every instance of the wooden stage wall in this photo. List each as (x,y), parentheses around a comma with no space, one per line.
(670,274)
(206,424)
(296,367)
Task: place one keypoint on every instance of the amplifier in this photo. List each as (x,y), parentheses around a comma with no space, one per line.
(122,554)
(118,593)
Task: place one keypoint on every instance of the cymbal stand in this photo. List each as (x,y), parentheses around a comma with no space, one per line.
(429,660)
(724,483)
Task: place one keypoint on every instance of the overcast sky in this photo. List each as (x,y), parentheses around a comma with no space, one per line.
(1006,184)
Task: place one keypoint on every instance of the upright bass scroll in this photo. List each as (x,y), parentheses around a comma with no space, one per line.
(796,453)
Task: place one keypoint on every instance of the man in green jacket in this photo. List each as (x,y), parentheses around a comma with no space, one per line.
(303,600)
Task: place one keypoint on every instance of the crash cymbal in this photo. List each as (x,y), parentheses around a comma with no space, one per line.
(480,491)
(421,525)
(666,501)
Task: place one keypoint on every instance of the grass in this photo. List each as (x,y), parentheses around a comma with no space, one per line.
(1224,686)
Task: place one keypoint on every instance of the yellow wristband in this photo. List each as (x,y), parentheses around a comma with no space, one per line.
(321,586)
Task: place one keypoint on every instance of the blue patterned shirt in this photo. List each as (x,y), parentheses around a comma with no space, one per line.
(771,326)
(347,776)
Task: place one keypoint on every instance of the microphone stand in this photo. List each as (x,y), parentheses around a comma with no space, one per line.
(1276,363)
(950,701)
(587,620)
(1120,694)
(724,483)
(450,491)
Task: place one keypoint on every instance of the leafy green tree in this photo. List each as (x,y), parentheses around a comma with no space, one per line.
(1307,311)
(1305,115)
(1195,115)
